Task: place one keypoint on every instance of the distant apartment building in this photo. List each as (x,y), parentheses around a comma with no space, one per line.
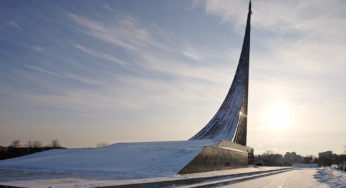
(326,154)
(292,157)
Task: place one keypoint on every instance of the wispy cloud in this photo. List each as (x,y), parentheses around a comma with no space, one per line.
(60,75)
(148,53)
(192,53)
(14,24)
(38,48)
(42,70)
(128,93)
(124,32)
(101,55)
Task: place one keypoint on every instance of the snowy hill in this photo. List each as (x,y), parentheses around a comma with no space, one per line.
(148,159)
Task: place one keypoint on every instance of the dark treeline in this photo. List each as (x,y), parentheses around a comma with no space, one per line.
(17,150)
(327,158)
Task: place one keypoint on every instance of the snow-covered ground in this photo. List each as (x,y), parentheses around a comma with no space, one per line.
(142,159)
(42,178)
(303,177)
(332,177)
(298,177)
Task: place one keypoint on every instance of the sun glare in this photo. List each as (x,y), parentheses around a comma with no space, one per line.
(278,116)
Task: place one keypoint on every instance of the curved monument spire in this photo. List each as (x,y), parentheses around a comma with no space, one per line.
(230,121)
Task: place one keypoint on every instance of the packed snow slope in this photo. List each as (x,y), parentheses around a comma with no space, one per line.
(146,159)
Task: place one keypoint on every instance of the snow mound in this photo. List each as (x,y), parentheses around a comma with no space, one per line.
(145,159)
(332,177)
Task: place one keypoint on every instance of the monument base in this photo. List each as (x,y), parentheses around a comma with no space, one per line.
(140,159)
(226,155)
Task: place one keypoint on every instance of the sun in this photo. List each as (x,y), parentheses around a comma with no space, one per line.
(277,116)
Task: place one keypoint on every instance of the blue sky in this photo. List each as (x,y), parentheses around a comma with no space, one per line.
(118,71)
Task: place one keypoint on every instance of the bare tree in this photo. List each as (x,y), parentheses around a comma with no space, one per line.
(29,144)
(269,152)
(37,144)
(16,144)
(55,144)
(101,145)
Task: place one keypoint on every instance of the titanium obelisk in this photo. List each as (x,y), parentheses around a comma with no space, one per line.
(230,121)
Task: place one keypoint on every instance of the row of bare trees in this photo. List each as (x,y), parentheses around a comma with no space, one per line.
(38,144)
(35,144)
(16,149)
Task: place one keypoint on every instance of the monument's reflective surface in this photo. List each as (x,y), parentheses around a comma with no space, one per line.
(230,121)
